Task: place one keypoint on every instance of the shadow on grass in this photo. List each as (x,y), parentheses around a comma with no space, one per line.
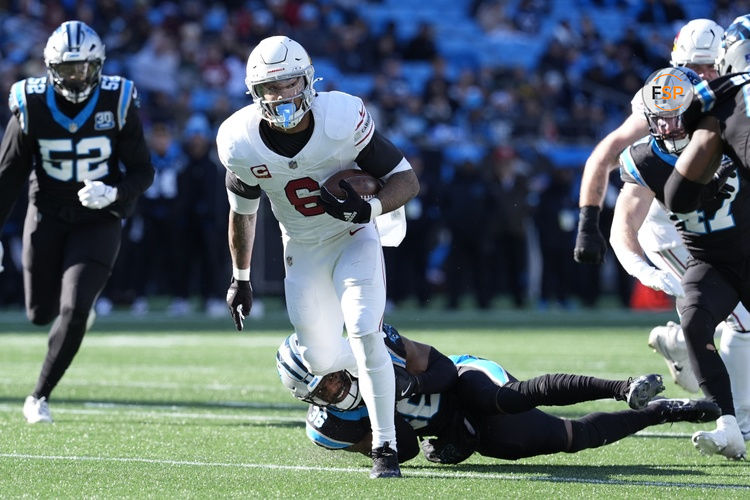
(596,474)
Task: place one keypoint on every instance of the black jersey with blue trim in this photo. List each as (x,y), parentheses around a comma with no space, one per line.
(728,99)
(427,414)
(61,144)
(719,232)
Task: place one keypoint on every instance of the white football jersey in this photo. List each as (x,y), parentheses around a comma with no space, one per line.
(343,127)
(657,232)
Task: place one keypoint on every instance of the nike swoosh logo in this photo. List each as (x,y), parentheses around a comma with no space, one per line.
(352,231)
(406,391)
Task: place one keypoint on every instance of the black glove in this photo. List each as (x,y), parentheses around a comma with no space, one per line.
(352,209)
(239,300)
(590,243)
(457,442)
(407,385)
(717,188)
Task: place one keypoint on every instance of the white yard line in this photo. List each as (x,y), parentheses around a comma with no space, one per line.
(408,472)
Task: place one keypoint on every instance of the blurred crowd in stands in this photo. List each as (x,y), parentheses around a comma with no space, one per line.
(495,103)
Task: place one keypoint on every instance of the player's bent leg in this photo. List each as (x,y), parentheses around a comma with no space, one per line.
(81,284)
(561,389)
(698,325)
(735,351)
(43,252)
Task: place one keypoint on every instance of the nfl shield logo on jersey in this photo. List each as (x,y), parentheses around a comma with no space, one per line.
(104,120)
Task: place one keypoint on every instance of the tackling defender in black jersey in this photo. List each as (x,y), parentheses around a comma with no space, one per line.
(716,235)
(463,404)
(67,135)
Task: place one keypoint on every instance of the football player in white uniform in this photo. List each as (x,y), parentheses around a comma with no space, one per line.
(286,144)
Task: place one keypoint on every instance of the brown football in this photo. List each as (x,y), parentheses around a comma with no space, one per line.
(363,183)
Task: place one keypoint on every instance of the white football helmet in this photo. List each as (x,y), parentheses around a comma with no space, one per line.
(697,43)
(279,58)
(74,55)
(296,377)
(734,52)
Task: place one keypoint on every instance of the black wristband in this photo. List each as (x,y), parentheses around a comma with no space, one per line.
(588,217)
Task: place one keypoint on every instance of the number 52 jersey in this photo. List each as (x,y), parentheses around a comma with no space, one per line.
(718,232)
(63,144)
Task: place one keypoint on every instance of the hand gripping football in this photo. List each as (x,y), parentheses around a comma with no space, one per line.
(363,183)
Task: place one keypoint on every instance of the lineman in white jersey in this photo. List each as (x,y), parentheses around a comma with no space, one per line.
(286,144)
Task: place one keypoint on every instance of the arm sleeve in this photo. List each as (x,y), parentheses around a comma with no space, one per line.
(16,155)
(682,195)
(379,157)
(134,154)
(236,186)
(441,374)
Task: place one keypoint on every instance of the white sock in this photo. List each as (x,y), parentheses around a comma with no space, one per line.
(377,384)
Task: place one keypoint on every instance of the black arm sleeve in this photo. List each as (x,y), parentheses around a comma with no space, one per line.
(379,157)
(441,374)
(16,155)
(134,154)
(682,195)
(236,186)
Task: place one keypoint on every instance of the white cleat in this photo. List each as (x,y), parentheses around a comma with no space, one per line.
(36,410)
(666,341)
(743,420)
(725,440)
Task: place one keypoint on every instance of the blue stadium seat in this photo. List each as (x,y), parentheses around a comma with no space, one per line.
(356,84)
(563,156)
(416,73)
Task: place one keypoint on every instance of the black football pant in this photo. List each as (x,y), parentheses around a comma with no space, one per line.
(510,428)
(711,293)
(65,268)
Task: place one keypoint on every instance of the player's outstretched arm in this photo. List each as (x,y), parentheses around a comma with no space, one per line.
(631,209)
(686,185)
(590,244)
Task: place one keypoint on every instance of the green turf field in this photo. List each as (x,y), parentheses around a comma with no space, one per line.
(160,408)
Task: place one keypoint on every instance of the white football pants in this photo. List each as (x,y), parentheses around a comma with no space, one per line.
(341,283)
